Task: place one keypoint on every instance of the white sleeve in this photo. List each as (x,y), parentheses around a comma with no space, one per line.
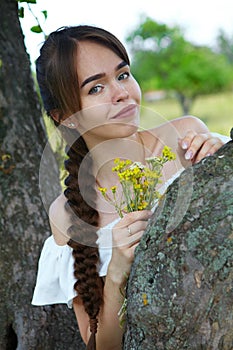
(224,138)
(55,278)
(104,243)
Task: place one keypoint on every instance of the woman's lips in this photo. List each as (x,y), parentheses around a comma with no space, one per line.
(125,112)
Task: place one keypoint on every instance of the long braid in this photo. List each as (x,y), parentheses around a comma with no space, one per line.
(83,235)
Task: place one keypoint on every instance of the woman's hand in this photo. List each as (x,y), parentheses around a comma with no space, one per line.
(197,146)
(126,235)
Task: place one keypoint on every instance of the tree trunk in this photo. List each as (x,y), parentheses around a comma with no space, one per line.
(24,222)
(180,289)
(185,102)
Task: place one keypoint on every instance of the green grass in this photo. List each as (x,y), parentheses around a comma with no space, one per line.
(216,111)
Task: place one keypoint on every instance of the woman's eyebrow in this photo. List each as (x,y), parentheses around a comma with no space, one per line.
(101,75)
(121,65)
(92,78)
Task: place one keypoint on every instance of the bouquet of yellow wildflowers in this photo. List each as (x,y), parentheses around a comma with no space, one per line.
(138,182)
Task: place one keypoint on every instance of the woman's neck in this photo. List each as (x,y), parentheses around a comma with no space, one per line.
(103,156)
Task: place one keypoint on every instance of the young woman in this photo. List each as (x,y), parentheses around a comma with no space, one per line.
(89,92)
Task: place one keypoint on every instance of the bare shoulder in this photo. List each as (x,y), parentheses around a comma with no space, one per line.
(189,122)
(170,131)
(59,220)
(181,125)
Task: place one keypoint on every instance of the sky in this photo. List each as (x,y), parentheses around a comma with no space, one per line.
(200,19)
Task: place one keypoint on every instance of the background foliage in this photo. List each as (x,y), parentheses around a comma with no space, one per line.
(163,59)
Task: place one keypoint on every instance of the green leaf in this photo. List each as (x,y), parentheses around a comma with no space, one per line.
(28,1)
(45,13)
(21,12)
(36,29)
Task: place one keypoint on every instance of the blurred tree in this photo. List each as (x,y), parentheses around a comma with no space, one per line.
(225,45)
(24,222)
(163,59)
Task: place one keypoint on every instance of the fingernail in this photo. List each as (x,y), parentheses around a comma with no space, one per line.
(184,145)
(188,155)
(208,155)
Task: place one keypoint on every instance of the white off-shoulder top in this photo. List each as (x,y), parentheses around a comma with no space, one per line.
(55,279)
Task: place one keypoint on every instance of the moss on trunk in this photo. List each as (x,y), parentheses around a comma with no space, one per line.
(180,290)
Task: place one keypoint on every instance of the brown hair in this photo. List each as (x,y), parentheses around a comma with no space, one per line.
(58,81)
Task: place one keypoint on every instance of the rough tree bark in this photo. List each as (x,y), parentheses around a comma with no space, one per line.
(180,289)
(24,222)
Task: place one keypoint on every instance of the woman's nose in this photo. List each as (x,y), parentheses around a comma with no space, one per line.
(119,93)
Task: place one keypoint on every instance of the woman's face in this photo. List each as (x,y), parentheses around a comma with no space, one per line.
(110,96)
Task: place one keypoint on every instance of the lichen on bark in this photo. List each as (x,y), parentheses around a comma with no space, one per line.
(180,289)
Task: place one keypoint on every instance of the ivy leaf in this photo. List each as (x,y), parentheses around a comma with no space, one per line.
(28,1)
(45,13)
(36,29)
(21,12)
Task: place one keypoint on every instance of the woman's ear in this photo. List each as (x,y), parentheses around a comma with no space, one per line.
(55,115)
(69,122)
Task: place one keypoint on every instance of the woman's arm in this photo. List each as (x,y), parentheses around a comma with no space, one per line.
(109,334)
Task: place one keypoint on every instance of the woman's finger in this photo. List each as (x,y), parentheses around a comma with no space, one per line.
(208,148)
(185,142)
(195,146)
(130,218)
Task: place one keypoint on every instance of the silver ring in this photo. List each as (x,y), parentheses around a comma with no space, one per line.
(129,231)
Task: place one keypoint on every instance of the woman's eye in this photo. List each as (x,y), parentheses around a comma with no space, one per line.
(123,76)
(95,89)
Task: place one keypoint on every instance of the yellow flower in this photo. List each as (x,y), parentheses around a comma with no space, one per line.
(113,189)
(142,205)
(167,153)
(116,160)
(138,182)
(103,190)
(137,186)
